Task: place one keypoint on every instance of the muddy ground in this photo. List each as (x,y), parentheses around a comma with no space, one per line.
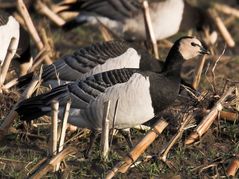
(208,158)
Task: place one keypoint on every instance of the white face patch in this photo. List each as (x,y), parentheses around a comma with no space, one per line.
(190,48)
(129,59)
(7,31)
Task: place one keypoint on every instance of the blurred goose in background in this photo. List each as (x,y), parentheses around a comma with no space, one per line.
(142,94)
(125,17)
(93,59)
(9,28)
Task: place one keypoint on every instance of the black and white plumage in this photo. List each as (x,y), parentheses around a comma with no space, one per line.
(141,94)
(125,17)
(97,58)
(9,28)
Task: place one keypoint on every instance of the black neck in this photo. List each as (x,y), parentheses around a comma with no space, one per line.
(148,62)
(173,63)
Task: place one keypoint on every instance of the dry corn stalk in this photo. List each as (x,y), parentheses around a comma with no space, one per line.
(233,168)
(56,8)
(104,142)
(65,2)
(63,128)
(10,84)
(13,114)
(43,9)
(142,127)
(209,119)
(164,152)
(237,97)
(198,73)
(105,33)
(31,28)
(39,59)
(54,132)
(49,164)
(166,43)
(221,27)
(229,21)
(54,120)
(59,9)
(35,167)
(64,125)
(19,18)
(68,15)
(226,9)
(149,28)
(138,150)
(12,48)
(48,42)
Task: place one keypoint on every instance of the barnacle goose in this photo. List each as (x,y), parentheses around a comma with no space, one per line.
(142,94)
(9,27)
(125,17)
(96,58)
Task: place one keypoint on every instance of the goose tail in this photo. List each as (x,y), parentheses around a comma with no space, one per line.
(23,81)
(38,106)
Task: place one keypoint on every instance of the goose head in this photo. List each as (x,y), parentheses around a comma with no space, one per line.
(191,47)
(183,49)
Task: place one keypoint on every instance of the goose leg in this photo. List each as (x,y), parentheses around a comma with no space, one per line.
(94,134)
(127,136)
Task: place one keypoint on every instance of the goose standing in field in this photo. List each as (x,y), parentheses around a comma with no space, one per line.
(9,28)
(141,94)
(96,58)
(125,17)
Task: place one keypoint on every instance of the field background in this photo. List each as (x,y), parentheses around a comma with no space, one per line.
(19,151)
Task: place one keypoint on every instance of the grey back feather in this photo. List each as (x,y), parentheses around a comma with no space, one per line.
(81,93)
(72,67)
(3,18)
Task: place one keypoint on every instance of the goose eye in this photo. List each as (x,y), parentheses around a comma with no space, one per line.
(193,44)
